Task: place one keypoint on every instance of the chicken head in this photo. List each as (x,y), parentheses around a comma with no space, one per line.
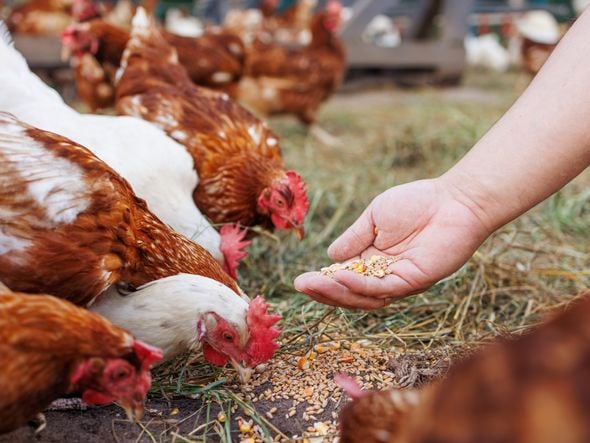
(84,10)
(286,202)
(125,381)
(244,349)
(76,40)
(333,17)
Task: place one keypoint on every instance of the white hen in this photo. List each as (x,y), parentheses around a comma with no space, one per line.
(159,170)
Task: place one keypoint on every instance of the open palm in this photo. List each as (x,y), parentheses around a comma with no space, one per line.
(423,224)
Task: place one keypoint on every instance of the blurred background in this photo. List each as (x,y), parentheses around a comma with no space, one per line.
(411,42)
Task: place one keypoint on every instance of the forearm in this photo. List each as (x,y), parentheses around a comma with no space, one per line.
(539,145)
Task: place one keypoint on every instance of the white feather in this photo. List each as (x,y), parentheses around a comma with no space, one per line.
(54,183)
(179,24)
(140,20)
(158,169)
(170,310)
(5,35)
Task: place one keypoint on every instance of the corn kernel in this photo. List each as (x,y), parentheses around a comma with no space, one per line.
(303,363)
(321,348)
(245,426)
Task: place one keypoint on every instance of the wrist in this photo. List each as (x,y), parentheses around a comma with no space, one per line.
(486,208)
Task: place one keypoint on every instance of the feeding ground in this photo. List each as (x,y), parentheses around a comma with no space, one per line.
(388,137)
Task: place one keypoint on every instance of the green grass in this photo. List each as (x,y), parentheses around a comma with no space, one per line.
(391,137)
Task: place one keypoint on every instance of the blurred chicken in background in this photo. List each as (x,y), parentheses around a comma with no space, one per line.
(540,34)
(534,388)
(40,17)
(281,80)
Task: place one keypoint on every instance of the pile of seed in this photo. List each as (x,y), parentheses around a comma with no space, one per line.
(376,266)
(301,387)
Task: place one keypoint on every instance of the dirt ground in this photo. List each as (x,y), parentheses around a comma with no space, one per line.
(162,420)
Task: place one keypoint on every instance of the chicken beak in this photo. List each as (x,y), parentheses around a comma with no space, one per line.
(299,229)
(243,373)
(133,409)
(300,232)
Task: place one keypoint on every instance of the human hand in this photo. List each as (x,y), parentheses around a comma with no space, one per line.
(426,224)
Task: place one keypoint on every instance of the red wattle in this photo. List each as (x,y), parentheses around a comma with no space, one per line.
(214,357)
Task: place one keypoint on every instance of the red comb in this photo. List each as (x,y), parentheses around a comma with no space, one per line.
(350,386)
(300,200)
(262,344)
(67,34)
(147,354)
(232,247)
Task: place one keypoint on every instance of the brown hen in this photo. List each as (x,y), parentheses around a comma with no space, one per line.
(297,81)
(51,348)
(241,173)
(40,17)
(214,59)
(72,227)
(535,388)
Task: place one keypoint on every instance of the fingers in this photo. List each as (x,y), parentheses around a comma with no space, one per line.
(328,291)
(358,237)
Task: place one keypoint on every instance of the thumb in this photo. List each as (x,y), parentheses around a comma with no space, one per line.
(358,237)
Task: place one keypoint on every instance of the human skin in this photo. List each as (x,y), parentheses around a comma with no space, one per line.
(435,226)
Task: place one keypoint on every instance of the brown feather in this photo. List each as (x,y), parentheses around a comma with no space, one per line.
(40,17)
(299,79)
(535,388)
(41,338)
(214,59)
(236,155)
(116,239)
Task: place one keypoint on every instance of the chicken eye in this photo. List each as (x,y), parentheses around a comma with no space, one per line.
(280,202)
(120,374)
(228,336)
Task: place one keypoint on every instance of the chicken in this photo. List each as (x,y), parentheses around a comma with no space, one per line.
(96,48)
(245,23)
(242,177)
(535,54)
(291,27)
(158,169)
(51,348)
(226,326)
(179,23)
(72,227)
(65,208)
(215,59)
(94,82)
(540,34)
(486,51)
(535,388)
(40,17)
(296,81)
(85,10)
